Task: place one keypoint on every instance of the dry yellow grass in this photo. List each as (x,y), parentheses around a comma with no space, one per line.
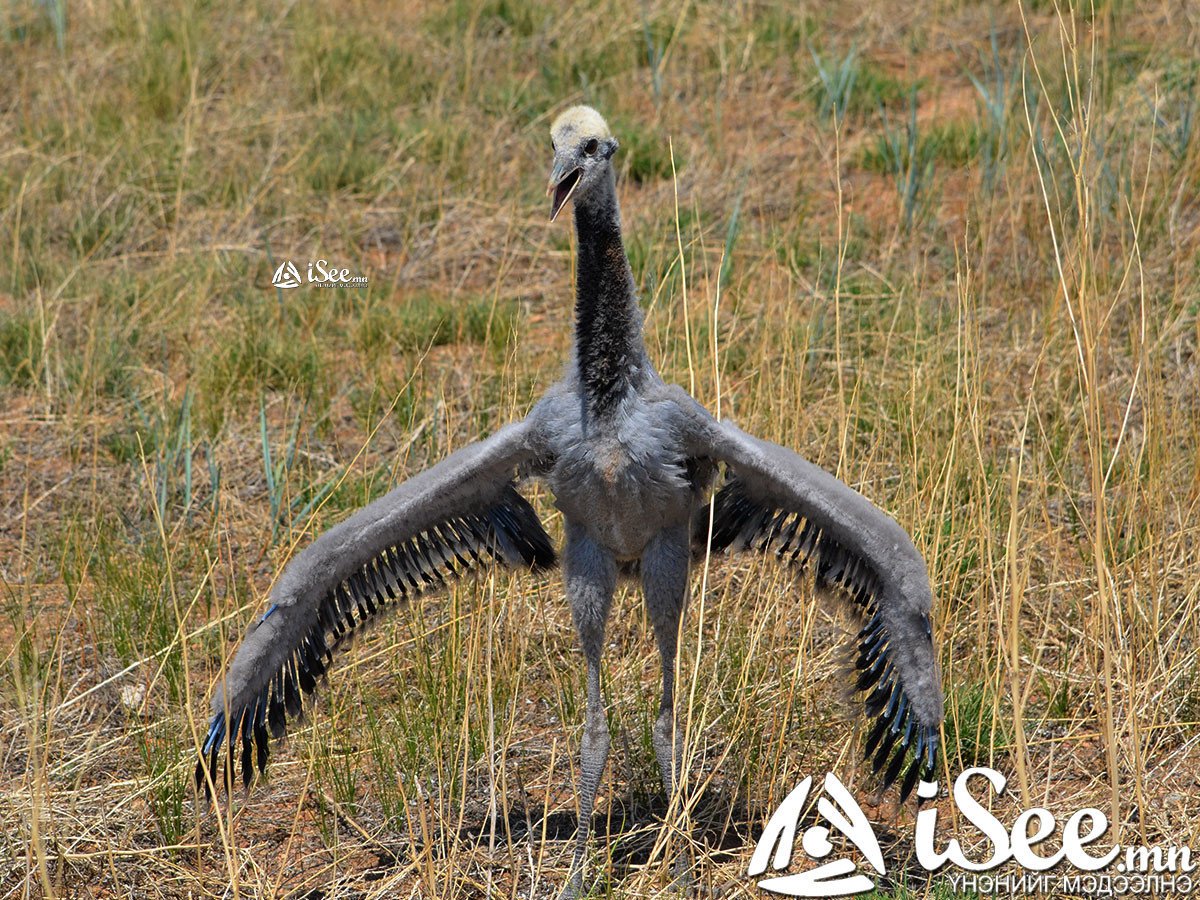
(956,254)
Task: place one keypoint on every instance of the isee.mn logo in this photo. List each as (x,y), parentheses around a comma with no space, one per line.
(829,879)
(286,275)
(1136,870)
(319,274)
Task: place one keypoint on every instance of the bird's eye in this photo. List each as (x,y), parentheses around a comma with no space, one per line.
(591,146)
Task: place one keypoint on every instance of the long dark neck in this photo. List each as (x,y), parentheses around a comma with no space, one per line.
(608,323)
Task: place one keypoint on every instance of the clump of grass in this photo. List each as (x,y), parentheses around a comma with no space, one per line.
(977,731)
(849,83)
(267,351)
(781,28)
(425,321)
(1177,111)
(22,344)
(290,504)
(910,157)
(954,144)
(491,18)
(645,156)
(108,227)
(170,791)
(354,70)
(997,88)
(879,87)
(175,55)
(37,21)
(835,84)
(349,149)
(160,447)
(403,402)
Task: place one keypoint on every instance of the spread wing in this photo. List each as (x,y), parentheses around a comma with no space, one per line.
(463,512)
(773,501)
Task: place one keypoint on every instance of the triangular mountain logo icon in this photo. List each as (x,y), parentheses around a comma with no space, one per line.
(843,815)
(286,276)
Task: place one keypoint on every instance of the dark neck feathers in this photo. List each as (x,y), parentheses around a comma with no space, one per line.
(608,323)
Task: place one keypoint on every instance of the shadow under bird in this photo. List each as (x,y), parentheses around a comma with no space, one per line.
(631,462)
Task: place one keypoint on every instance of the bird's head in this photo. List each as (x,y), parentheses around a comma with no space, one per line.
(583,146)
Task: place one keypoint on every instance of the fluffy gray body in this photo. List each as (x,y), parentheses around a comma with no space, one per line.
(623,480)
(631,462)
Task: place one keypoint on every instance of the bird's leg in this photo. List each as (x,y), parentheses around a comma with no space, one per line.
(665,585)
(591,576)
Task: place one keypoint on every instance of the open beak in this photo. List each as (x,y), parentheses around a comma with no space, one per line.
(562,185)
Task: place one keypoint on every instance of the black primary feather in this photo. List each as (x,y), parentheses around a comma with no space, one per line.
(508,531)
(739,522)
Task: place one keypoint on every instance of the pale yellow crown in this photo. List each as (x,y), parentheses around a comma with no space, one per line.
(577,123)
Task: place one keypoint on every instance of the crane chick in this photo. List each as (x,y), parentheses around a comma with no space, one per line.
(631,462)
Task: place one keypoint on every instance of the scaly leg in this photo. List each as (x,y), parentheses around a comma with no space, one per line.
(665,585)
(591,576)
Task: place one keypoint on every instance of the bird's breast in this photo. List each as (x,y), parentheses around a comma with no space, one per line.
(624,484)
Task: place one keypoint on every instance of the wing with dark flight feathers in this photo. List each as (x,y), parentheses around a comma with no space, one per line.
(461,513)
(773,501)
